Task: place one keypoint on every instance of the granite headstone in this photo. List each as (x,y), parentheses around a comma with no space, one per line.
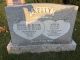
(41,27)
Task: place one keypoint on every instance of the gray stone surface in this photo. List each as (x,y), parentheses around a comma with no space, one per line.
(15,15)
(49,29)
(41,48)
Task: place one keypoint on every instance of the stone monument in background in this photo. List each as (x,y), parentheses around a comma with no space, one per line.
(14,2)
(40,27)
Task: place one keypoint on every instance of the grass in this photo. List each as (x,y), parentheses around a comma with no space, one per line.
(5,38)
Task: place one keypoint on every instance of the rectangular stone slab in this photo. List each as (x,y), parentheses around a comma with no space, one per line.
(35,24)
(15,49)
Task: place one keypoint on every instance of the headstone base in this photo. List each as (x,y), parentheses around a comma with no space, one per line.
(41,48)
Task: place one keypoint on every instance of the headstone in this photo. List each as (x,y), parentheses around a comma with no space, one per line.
(41,27)
(15,2)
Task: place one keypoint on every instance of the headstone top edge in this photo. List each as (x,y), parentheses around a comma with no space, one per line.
(75,6)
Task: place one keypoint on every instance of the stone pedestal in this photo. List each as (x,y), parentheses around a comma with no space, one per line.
(41,48)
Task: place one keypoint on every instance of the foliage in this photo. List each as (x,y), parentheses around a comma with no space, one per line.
(43,1)
(74,2)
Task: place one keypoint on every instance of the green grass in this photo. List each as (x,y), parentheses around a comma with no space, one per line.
(5,38)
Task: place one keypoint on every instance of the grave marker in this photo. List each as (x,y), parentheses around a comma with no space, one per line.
(41,27)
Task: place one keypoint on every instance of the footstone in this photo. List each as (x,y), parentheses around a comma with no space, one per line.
(41,27)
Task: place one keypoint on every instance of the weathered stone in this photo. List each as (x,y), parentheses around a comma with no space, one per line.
(37,25)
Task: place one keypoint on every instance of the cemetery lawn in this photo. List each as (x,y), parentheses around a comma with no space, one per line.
(5,38)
